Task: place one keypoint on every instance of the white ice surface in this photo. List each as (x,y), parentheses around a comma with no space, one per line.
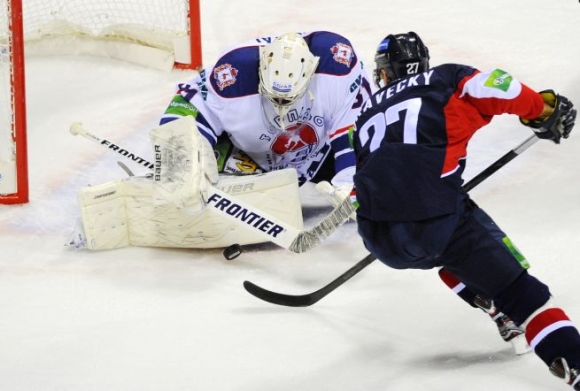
(165,319)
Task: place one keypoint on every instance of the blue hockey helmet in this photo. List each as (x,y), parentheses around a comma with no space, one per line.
(400,55)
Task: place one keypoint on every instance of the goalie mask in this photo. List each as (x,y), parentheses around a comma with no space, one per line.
(400,55)
(286,67)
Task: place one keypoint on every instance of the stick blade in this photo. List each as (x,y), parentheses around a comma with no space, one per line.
(279,298)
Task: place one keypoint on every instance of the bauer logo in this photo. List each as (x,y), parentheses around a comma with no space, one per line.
(239,188)
(157,167)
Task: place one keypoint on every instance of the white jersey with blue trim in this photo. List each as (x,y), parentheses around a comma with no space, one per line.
(224,99)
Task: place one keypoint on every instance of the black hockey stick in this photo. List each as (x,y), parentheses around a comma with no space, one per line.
(499,163)
(312,298)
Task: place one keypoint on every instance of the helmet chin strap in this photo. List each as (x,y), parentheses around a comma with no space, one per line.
(282,111)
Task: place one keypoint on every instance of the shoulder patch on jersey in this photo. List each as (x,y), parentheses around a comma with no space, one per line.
(499,79)
(342,53)
(337,56)
(225,75)
(235,74)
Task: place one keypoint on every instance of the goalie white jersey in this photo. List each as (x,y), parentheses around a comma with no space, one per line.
(225,102)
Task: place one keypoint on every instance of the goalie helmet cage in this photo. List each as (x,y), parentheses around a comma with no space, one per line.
(161,34)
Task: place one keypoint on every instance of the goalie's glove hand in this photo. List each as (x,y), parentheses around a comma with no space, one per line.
(559,123)
(335,194)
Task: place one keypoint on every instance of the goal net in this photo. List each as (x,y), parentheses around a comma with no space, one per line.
(160,34)
(154,33)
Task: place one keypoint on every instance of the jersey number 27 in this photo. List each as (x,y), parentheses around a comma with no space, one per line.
(380,121)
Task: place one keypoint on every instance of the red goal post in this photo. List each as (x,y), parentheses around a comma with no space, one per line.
(161,34)
(13,155)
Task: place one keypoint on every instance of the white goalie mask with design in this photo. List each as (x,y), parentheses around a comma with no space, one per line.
(286,67)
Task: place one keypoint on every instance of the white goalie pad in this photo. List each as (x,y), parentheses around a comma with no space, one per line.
(127,212)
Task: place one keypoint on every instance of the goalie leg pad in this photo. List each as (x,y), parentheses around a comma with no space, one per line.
(104,217)
(126,212)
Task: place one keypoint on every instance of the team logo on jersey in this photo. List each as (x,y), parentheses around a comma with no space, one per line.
(225,75)
(296,143)
(499,79)
(342,53)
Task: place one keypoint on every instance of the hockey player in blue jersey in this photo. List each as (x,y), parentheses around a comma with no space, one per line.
(411,144)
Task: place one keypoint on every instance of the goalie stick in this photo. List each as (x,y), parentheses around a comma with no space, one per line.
(244,214)
(309,299)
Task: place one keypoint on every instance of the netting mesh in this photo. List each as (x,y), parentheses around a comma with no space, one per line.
(6,110)
(113,28)
(95,16)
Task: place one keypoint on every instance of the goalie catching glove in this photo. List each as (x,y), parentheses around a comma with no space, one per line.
(185,164)
(558,123)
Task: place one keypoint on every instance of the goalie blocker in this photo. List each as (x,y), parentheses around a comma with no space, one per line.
(182,206)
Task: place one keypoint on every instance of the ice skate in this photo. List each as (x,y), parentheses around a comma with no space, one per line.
(508,330)
(571,376)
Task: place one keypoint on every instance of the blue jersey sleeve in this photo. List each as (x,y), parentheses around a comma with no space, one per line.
(337,56)
(235,74)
